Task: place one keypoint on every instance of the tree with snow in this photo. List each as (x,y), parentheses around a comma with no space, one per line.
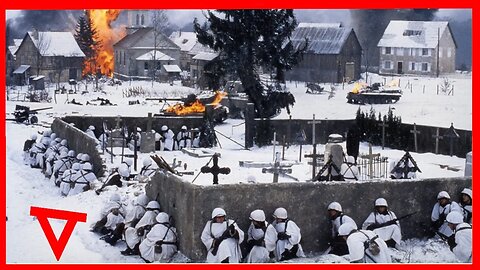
(86,37)
(247,40)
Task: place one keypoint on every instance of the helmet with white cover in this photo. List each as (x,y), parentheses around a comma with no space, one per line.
(443,195)
(280,213)
(71,153)
(467,191)
(85,158)
(257,215)
(164,128)
(142,200)
(218,212)
(33,136)
(162,217)
(455,217)
(346,228)
(64,142)
(53,136)
(87,166)
(129,162)
(153,205)
(381,202)
(115,197)
(76,166)
(335,206)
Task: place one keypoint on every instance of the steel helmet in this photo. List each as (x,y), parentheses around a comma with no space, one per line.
(123,170)
(467,191)
(91,127)
(33,136)
(63,142)
(381,202)
(47,133)
(129,162)
(350,159)
(139,129)
(218,212)
(85,157)
(346,228)
(162,217)
(164,128)
(53,136)
(184,128)
(79,156)
(53,143)
(443,194)
(257,215)
(115,197)
(335,206)
(280,213)
(87,166)
(76,166)
(71,153)
(58,139)
(142,200)
(455,217)
(153,205)
(147,162)
(63,154)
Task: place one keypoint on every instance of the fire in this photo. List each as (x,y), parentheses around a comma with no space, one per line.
(106,37)
(357,87)
(195,107)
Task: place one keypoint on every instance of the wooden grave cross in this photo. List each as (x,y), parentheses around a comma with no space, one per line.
(370,158)
(437,137)
(415,132)
(215,170)
(314,154)
(383,125)
(149,122)
(451,134)
(277,169)
(275,143)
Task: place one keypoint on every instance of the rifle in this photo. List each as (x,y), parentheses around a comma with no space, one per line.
(374,226)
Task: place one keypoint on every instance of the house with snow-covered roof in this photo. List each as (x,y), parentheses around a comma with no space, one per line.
(333,53)
(418,48)
(143,51)
(12,48)
(55,55)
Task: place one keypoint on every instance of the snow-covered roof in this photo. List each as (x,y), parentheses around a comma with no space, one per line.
(412,34)
(172,68)
(143,38)
(21,69)
(13,49)
(199,48)
(321,40)
(206,56)
(149,56)
(323,25)
(184,40)
(56,44)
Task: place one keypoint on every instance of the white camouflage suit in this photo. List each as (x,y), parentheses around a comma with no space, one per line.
(463,239)
(358,252)
(131,236)
(388,232)
(258,254)
(162,231)
(228,248)
(438,210)
(272,242)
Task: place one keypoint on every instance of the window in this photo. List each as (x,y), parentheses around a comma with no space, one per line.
(159,65)
(412,32)
(388,50)
(138,20)
(387,64)
(143,20)
(145,65)
(425,52)
(412,51)
(449,52)
(399,51)
(425,67)
(412,66)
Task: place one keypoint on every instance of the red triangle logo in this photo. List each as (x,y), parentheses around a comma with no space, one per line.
(57,245)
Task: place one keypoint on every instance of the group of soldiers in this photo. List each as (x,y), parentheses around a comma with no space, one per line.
(71,173)
(148,232)
(370,243)
(165,140)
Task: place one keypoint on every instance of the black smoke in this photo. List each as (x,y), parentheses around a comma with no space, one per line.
(43,20)
(369,25)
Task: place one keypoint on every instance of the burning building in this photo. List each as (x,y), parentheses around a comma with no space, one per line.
(193,105)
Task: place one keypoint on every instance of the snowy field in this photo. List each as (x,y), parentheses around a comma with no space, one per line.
(27,187)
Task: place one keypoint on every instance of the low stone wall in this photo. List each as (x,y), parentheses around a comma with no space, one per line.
(80,142)
(306,203)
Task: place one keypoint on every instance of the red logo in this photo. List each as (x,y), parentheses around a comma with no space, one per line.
(42,214)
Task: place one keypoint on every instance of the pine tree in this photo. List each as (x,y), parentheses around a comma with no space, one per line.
(86,36)
(248,39)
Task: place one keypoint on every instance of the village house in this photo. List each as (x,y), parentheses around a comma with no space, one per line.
(54,55)
(333,53)
(11,50)
(418,48)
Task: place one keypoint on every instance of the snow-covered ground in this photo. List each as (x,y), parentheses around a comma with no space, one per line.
(27,187)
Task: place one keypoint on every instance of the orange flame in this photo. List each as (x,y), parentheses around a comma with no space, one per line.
(106,37)
(195,107)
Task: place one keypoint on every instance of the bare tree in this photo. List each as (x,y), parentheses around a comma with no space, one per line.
(160,24)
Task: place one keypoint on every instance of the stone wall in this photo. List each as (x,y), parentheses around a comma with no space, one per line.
(306,203)
(80,142)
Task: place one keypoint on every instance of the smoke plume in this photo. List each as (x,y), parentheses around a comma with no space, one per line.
(43,20)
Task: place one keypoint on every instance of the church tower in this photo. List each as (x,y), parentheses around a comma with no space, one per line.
(138,18)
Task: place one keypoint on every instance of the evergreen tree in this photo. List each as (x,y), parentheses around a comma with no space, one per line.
(86,36)
(247,40)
